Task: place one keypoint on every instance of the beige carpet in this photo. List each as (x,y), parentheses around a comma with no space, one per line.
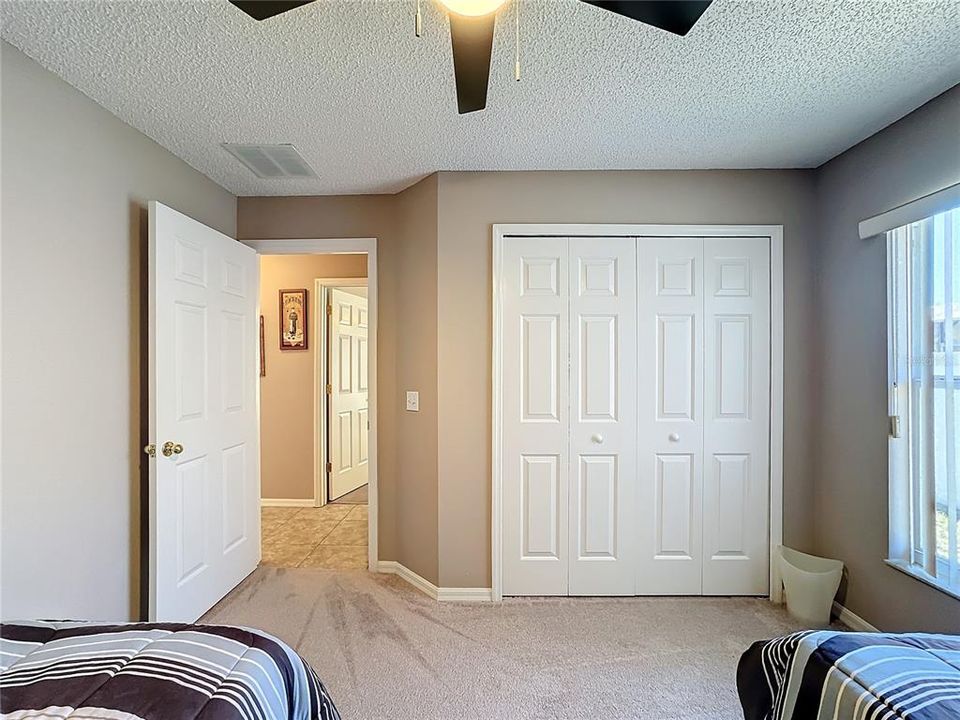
(384,650)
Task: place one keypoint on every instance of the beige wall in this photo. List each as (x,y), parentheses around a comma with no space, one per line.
(469,205)
(415,500)
(405,228)
(75,183)
(287,429)
(916,156)
(435,329)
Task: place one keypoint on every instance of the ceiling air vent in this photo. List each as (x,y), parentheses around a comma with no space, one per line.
(271,161)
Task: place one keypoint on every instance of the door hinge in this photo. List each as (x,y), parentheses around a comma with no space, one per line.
(329,309)
(329,468)
(329,389)
(894,426)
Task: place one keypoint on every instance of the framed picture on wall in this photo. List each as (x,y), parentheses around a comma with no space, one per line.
(293,319)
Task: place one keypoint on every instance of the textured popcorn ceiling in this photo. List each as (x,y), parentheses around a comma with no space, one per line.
(372,108)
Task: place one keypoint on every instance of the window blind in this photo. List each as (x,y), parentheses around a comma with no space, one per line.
(925,362)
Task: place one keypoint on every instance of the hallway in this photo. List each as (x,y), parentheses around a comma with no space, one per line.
(332,537)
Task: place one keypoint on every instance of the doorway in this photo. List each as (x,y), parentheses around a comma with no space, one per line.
(317,403)
(209,350)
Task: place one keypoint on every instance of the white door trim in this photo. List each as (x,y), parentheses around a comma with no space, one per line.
(321,286)
(325,246)
(775,234)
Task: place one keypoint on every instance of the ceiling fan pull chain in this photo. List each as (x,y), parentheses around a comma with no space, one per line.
(419,20)
(516,66)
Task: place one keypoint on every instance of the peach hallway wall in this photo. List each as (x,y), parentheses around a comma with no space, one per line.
(287,428)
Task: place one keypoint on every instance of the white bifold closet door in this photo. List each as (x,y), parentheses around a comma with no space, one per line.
(704,375)
(634,415)
(569,416)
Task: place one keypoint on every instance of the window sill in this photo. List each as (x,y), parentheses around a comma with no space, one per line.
(918,574)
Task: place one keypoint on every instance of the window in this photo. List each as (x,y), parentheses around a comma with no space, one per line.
(924,342)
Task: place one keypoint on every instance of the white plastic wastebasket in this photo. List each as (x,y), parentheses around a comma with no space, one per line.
(810,583)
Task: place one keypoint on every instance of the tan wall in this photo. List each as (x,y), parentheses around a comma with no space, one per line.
(75,183)
(916,156)
(469,205)
(415,499)
(287,429)
(405,227)
(435,331)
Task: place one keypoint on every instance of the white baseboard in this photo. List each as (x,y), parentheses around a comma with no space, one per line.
(852,620)
(287,502)
(464,594)
(392,567)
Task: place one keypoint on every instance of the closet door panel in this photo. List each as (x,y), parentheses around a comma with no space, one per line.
(670,424)
(736,416)
(603,416)
(535,458)
(635,416)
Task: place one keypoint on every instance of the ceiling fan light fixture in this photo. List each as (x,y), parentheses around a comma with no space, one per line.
(473,8)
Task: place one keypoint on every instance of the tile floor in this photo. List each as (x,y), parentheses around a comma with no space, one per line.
(332,537)
(355,497)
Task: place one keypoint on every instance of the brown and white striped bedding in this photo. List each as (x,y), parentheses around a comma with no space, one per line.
(154,672)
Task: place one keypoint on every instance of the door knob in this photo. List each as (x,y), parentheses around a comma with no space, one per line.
(170,448)
(150,450)
(597,438)
(674,437)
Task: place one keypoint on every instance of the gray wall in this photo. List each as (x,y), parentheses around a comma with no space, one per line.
(75,183)
(911,158)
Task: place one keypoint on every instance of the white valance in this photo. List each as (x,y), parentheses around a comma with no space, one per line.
(918,209)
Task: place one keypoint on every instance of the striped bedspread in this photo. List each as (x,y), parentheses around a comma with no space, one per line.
(832,675)
(154,672)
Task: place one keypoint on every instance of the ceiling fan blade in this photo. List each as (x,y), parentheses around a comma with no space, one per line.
(265,9)
(676,16)
(472,41)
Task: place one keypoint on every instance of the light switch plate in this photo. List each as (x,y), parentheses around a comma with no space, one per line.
(413,401)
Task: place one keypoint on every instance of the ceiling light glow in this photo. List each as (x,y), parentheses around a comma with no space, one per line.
(473,8)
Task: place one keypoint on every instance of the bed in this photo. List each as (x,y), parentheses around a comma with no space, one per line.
(828,675)
(154,672)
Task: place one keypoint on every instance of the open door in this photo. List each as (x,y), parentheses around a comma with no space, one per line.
(204,487)
(347,389)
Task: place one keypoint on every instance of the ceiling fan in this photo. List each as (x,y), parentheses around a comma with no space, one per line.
(472,24)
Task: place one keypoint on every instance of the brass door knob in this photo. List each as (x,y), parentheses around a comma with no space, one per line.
(170,448)
(150,450)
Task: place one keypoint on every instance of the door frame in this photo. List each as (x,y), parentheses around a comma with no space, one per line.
(341,246)
(503,232)
(322,287)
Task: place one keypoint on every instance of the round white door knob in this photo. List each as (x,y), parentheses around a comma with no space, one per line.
(674,437)
(598,438)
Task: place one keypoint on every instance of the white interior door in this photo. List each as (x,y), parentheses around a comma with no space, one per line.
(670,439)
(603,415)
(347,385)
(535,411)
(205,478)
(736,468)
